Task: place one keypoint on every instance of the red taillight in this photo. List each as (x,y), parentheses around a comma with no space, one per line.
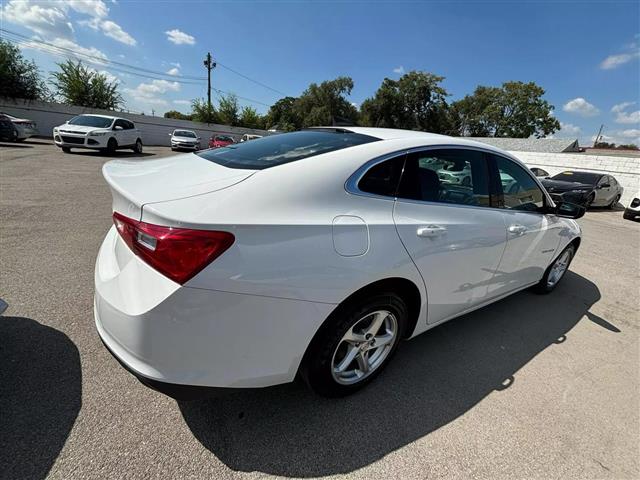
(178,253)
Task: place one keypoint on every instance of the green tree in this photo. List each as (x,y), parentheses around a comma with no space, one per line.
(229,110)
(19,78)
(515,109)
(326,104)
(416,101)
(283,115)
(177,115)
(249,118)
(77,84)
(201,111)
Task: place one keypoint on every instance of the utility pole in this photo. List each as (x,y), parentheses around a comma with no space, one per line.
(209,65)
(598,136)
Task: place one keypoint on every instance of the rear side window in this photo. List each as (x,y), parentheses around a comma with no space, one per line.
(276,150)
(458,176)
(382,179)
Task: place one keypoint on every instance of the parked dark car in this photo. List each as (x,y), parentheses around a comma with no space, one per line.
(8,131)
(584,188)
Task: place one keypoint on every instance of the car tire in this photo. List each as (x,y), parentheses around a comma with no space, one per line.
(329,350)
(614,202)
(137,148)
(112,146)
(590,200)
(554,273)
(66,149)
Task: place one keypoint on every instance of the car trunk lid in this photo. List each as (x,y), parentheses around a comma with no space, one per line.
(135,183)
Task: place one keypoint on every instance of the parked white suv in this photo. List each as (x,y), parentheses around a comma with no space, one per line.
(98,132)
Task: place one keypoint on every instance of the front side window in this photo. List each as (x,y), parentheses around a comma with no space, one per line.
(458,176)
(519,189)
(603,181)
(276,150)
(382,179)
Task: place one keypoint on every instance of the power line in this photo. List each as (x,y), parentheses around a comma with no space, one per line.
(252,80)
(119,66)
(27,40)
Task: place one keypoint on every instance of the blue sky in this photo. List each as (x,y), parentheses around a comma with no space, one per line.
(585,54)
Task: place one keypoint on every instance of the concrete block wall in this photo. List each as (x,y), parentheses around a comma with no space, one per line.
(154,130)
(626,170)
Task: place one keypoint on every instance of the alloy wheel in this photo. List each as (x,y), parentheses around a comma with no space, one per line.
(559,268)
(364,347)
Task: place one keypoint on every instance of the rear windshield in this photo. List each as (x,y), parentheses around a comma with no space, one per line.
(578,177)
(276,150)
(89,121)
(184,133)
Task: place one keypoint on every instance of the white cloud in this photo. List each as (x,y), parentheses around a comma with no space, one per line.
(399,70)
(175,64)
(173,71)
(619,59)
(567,129)
(182,102)
(614,61)
(625,116)
(113,30)
(149,93)
(50,21)
(580,106)
(93,8)
(180,38)
(110,29)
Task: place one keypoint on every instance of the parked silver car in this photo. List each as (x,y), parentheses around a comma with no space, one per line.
(26,128)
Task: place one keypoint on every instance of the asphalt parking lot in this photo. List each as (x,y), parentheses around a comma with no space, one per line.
(530,387)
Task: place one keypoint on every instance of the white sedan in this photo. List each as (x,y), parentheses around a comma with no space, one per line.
(315,252)
(98,132)
(26,128)
(184,140)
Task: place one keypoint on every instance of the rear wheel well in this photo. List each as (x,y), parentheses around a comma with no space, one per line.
(402,287)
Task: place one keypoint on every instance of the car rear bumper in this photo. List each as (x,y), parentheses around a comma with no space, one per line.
(165,333)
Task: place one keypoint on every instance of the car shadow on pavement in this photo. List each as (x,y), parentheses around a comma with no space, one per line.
(15,145)
(434,379)
(40,396)
(116,154)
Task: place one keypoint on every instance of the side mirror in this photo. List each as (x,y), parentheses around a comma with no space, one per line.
(171,134)
(67,121)
(199,138)
(569,210)
(117,127)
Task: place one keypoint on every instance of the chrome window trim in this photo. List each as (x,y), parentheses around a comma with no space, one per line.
(351,185)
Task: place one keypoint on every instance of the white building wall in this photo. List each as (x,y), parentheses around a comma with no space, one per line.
(626,170)
(154,130)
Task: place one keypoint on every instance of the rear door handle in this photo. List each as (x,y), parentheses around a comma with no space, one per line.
(430,231)
(517,229)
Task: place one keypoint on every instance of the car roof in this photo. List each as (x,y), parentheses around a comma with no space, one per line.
(102,116)
(428,137)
